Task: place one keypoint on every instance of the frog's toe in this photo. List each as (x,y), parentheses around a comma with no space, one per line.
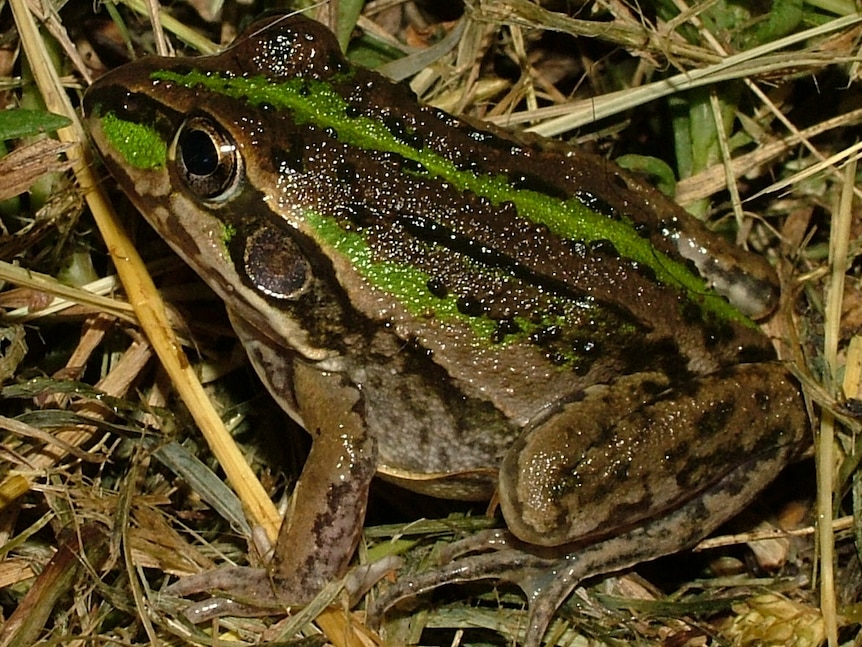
(361,579)
(206,610)
(223,578)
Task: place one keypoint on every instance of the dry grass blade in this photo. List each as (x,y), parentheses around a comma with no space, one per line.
(63,295)
(25,165)
(58,578)
(142,293)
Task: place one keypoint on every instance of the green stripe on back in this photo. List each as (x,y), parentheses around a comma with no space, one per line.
(311,101)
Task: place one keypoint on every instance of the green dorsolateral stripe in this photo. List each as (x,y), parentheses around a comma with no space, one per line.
(139,145)
(402,279)
(410,284)
(315,102)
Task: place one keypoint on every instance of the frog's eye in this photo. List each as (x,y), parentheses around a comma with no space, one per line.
(207,159)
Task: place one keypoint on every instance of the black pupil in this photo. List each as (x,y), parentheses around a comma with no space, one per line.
(200,155)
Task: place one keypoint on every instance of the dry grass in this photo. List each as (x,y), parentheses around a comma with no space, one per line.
(103,490)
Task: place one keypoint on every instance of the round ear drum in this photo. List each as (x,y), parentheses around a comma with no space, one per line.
(275,265)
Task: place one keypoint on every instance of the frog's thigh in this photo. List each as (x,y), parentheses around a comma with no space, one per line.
(634,450)
(321,531)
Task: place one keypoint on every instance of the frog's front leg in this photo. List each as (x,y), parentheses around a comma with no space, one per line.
(321,531)
(627,473)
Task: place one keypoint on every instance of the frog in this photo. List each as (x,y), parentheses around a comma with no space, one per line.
(456,309)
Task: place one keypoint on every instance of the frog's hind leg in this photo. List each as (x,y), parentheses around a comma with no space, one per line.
(696,496)
(639,448)
(548,581)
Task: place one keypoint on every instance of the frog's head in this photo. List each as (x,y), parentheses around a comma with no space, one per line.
(190,142)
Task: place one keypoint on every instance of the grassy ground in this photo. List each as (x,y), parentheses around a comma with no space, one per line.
(108,490)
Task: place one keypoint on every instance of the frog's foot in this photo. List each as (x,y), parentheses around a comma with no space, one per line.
(545,579)
(510,560)
(251,592)
(247,592)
